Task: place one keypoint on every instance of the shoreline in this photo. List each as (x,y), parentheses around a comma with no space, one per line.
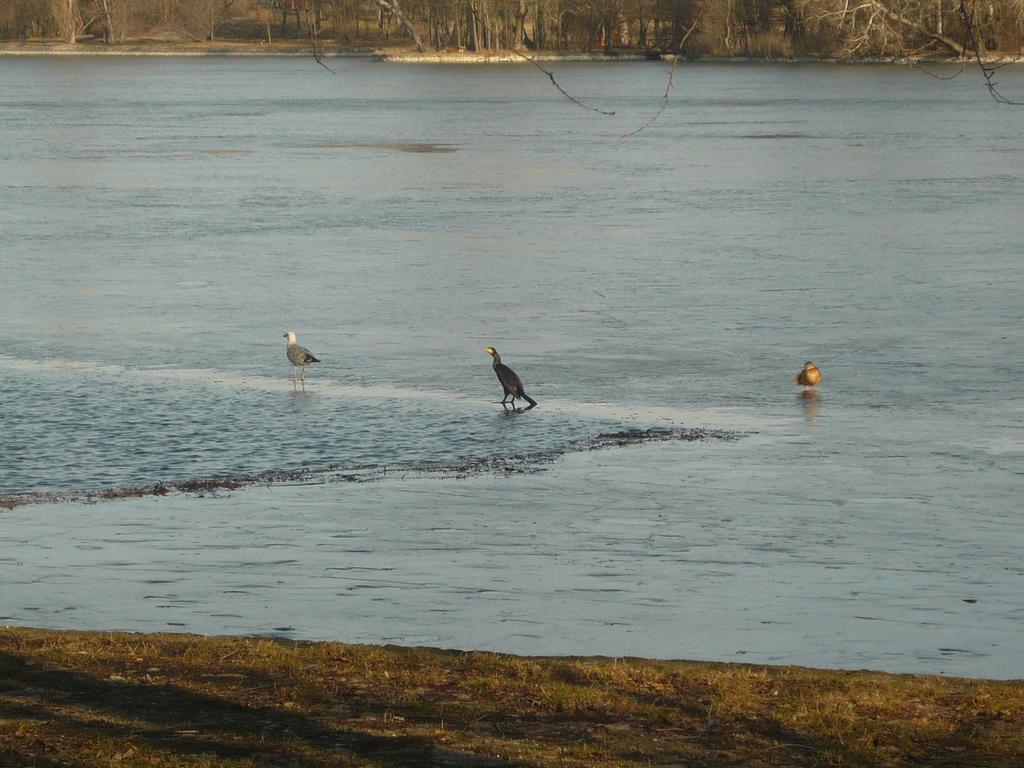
(597,567)
(225,49)
(100,698)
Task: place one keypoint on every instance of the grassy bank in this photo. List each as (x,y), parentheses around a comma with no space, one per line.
(100,699)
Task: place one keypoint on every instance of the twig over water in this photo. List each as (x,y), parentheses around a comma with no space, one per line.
(668,85)
(314,40)
(565,93)
(988,71)
(973,46)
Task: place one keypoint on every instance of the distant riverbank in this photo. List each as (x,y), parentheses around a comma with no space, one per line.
(294,48)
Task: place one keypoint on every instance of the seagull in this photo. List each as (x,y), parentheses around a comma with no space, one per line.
(299,357)
(509,381)
(809,376)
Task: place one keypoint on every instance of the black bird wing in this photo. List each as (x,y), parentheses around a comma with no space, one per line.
(509,380)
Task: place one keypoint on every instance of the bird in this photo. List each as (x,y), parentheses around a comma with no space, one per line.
(809,376)
(299,357)
(510,382)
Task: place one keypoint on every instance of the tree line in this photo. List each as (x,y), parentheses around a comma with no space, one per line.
(844,29)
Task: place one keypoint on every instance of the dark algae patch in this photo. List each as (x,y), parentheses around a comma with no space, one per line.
(516,463)
(414,147)
(637,436)
(103,699)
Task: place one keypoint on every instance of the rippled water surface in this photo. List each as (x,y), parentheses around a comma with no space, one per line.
(164,221)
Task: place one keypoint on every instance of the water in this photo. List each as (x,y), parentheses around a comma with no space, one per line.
(163,222)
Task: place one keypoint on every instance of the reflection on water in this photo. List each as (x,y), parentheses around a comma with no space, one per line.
(165,221)
(810,400)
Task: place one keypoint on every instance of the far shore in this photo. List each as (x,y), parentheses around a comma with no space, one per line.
(297,48)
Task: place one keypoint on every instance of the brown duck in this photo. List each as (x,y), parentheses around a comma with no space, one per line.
(809,376)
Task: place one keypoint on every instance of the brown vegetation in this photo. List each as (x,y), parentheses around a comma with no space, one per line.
(755,28)
(99,699)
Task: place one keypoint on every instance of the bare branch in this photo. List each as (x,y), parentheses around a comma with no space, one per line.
(988,70)
(898,18)
(314,41)
(562,90)
(668,86)
(962,68)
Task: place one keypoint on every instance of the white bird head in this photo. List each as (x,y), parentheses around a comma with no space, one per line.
(290,336)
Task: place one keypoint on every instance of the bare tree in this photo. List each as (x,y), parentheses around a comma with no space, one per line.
(391,6)
(202,17)
(22,19)
(879,27)
(105,13)
(67,18)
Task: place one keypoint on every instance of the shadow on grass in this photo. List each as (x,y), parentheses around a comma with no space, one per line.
(557,712)
(98,717)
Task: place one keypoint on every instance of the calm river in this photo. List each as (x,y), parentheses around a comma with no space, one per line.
(163,221)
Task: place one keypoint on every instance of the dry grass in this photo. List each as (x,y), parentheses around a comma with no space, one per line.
(98,699)
(769,45)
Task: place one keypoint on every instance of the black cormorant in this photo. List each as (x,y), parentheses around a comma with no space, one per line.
(510,382)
